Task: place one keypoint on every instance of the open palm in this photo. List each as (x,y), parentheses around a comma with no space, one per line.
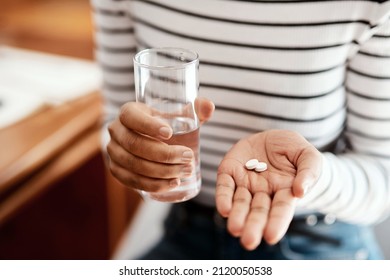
(261,205)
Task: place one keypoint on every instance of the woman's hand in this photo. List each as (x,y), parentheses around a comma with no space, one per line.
(138,157)
(262,205)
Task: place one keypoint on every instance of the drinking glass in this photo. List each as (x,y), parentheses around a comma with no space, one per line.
(166,80)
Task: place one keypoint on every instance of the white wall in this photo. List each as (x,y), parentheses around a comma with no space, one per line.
(145,230)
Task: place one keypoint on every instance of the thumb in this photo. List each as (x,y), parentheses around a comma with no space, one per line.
(204,109)
(309,165)
(138,117)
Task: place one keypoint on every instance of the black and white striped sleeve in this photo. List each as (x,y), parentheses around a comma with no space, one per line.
(114,49)
(355,186)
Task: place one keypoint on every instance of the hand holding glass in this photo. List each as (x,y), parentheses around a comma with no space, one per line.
(166,80)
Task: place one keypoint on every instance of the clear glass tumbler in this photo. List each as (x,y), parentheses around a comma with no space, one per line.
(166,80)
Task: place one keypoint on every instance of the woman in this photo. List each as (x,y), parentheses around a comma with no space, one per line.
(302,85)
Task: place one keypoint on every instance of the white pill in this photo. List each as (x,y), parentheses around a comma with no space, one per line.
(251,164)
(261,166)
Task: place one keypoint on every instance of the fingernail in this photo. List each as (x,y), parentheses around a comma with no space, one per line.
(187,170)
(174,183)
(165,132)
(187,156)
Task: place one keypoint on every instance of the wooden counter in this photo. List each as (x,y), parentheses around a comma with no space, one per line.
(30,146)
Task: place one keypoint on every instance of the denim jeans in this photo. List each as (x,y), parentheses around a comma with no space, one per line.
(196,232)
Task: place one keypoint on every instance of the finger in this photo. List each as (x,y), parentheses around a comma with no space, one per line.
(148,148)
(145,167)
(138,117)
(309,165)
(256,221)
(139,182)
(204,109)
(280,216)
(239,212)
(224,193)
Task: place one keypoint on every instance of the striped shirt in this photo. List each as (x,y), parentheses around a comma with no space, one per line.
(320,68)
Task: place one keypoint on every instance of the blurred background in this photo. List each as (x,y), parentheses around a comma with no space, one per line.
(57,200)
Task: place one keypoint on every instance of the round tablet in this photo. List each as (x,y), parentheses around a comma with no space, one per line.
(261,166)
(251,164)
